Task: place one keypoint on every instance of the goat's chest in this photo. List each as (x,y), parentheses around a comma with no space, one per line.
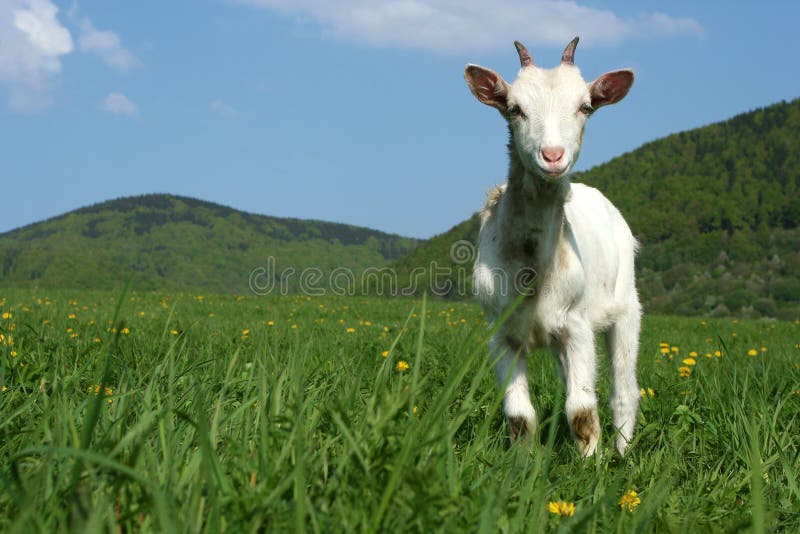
(546,270)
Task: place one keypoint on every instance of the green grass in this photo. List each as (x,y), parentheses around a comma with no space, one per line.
(276,414)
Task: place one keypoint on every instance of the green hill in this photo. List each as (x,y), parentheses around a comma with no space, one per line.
(176,243)
(716,209)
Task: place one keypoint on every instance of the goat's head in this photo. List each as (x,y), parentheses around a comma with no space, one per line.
(547,109)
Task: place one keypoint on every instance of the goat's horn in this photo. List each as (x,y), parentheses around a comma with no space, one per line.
(525,59)
(568,57)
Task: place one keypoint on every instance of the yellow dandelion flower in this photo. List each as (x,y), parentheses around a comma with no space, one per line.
(684,372)
(294,327)
(385,353)
(693,354)
(647,392)
(174,332)
(402,365)
(717,354)
(367,323)
(7,315)
(270,323)
(107,391)
(664,345)
(125,331)
(674,349)
(629,500)
(763,349)
(416,410)
(709,355)
(5,388)
(689,361)
(97,340)
(13,354)
(561,508)
(245,332)
(752,352)
(351,330)
(664,350)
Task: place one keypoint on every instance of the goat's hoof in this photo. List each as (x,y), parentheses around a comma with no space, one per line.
(622,445)
(586,429)
(519,429)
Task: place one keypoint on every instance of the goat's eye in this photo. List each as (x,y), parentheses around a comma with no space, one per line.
(586,109)
(515,112)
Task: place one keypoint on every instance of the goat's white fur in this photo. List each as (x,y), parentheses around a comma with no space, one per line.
(576,241)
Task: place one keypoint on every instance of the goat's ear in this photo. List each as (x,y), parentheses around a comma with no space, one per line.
(487,86)
(611,87)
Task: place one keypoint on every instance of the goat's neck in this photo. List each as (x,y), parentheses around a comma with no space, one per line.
(534,214)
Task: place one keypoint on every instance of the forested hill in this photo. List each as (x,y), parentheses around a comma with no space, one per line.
(716,210)
(179,243)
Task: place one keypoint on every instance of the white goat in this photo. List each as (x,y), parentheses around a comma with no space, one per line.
(570,235)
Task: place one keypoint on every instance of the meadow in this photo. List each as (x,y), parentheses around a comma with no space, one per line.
(182,412)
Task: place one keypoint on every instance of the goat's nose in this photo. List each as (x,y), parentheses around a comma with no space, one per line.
(552,154)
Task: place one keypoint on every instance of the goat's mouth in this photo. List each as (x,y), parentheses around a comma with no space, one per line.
(553,174)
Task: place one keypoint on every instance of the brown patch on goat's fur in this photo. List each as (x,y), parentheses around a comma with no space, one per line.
(518,429)
(584,426)
(493,197)
(563,255)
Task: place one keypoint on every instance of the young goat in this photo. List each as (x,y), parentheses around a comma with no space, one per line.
(573,240)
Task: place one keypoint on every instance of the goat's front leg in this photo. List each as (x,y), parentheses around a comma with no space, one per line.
(512,377)
(579,366)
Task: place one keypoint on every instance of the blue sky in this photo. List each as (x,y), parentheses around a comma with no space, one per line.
(353,111)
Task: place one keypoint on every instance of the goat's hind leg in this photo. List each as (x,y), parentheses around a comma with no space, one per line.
(512,376)
(623,348)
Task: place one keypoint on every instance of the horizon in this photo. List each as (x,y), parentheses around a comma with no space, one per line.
(312,219)
(221,101)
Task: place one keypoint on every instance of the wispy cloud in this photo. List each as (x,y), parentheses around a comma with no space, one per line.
(107,45)
(32,43)
(224,110)
(119,104)
(455,26)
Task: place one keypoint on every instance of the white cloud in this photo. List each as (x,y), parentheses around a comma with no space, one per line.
(224,110)
(456,26)
(32,43)
(119,104)
(107,45)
